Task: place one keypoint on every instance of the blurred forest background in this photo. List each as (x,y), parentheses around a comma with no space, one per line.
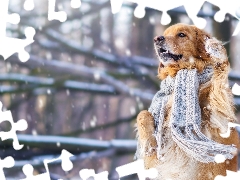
(86,81)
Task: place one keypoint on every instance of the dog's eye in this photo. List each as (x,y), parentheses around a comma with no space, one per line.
(181,35)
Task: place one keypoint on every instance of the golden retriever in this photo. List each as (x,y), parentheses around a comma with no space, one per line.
(187,47)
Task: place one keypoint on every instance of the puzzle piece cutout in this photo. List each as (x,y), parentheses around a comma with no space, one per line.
(230,176)
(75,4)
(219,158)
(20,125)
(7,162)
(65,156)
(192,8)
(137,167)
(230,125)
(28,171)
(87,173)
(29,5)
(154,4)
(17,45)
(53,15)
(230,7)
(67,165)
(236,89)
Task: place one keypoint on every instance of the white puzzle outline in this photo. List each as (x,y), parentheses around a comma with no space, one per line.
(191,8)
(20,125)
(65,157)
(66,164)
(19,45)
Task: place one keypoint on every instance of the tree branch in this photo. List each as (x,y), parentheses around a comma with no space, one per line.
(73,46)
(72,144)
(33,83)
(101,127)
(38,162)
(84,71)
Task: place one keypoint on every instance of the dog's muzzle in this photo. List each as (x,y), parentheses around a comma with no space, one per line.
(164,53)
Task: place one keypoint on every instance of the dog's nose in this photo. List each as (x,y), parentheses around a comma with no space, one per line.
(159,38)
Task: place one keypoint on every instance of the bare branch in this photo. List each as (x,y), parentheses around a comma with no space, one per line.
(38,161)
(234,75)
(84,71)
(101,127)
(100,55)
(33,83)
(70,143)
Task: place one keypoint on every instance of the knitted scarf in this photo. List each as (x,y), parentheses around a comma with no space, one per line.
(185,118)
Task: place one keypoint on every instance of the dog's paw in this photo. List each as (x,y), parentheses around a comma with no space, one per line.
(145,124)
(216,50)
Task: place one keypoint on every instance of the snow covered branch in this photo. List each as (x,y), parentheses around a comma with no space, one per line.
(83,71)
(33,83)
(73,144)
(38,161)
(102,126)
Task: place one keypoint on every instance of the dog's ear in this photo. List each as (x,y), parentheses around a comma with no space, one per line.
(211,50)
(201,38)
(216,50)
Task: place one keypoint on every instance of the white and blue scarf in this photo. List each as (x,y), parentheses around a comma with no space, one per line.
(185,118)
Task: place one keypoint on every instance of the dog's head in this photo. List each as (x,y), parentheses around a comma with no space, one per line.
(181,46)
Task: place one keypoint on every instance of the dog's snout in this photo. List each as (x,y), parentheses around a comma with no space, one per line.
(159,38)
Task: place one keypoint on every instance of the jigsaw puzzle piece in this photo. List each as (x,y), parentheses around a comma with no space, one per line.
(52,15)
(139,11)
(230,125)
(160,5)
(87,173)
(5,17)
(137,167)
(65,156)
(67,165)
(237,30)
(230,6)
(7,162)
(13,18)
(192,8)
(28,171)
(116,5)
(20,125)
(17,45)
(230,176)
(75,4)
(236,89)
(29,5)
(29,33)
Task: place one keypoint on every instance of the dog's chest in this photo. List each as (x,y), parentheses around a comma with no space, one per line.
(176,165)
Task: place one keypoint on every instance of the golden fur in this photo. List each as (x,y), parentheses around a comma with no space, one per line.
(216,104)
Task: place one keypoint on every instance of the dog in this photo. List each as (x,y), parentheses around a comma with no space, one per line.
(188,47)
